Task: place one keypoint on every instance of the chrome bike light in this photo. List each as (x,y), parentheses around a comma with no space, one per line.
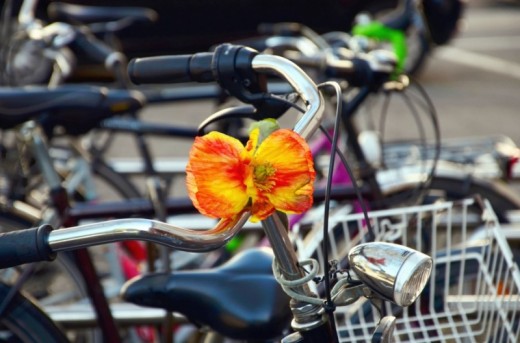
(395,272)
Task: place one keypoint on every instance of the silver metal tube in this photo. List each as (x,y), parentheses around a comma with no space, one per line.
(26,14)
(147,230)
(302,84)
(276,231)
(274,227)
(305,315)
(32,135)
(82,315)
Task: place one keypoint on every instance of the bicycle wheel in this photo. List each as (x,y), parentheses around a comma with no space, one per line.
(23,321)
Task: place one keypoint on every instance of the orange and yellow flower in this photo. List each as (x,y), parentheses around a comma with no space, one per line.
(224,177)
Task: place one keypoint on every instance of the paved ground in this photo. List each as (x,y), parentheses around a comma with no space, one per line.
(475,81)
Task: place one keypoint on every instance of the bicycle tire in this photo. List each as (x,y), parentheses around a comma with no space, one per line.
(26,322)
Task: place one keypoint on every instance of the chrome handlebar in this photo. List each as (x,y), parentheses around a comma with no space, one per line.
(193,240)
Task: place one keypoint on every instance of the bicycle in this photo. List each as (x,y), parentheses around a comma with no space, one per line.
(452,176)
(26,39)
(53,180)
(312,320)
(65,99)
(443,180)
(367,193)
(38,102)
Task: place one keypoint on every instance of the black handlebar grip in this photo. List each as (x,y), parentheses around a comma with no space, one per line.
(95,49)
(172,69)
(25,246)
(358,74)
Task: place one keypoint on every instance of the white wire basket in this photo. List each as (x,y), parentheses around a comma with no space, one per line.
(473,292)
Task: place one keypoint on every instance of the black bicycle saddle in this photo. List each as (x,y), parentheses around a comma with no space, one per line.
(240,299)
(76,108)
(73,13)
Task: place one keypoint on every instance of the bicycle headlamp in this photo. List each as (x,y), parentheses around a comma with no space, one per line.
(394,272)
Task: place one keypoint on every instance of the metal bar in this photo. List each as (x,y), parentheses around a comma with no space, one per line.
(466,303)
(125,314)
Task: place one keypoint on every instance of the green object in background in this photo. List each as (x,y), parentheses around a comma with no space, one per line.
(233,245)
(377,30)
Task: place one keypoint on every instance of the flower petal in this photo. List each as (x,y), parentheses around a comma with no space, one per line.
(251,145)
(261,208)
(284,171)
(215,175)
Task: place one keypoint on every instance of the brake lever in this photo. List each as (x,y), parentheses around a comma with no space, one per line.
(272,107)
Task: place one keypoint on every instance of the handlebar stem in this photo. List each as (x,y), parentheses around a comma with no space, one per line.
(306,316)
